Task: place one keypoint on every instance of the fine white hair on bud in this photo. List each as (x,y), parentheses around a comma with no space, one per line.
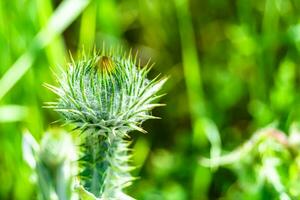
(106,95)
(106,91)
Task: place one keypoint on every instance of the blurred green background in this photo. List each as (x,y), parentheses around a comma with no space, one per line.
(233,67)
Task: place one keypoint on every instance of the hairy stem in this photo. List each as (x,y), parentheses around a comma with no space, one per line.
(105,168)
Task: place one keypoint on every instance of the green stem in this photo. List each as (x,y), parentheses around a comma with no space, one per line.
(192,71)
(105,169)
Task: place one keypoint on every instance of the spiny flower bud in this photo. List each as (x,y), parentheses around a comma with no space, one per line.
(106,91)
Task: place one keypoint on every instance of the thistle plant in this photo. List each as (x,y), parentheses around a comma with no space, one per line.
(105,96)
(52,162)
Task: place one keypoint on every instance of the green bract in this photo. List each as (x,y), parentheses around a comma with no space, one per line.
(105,96)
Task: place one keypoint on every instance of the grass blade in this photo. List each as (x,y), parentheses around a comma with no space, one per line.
(65,14)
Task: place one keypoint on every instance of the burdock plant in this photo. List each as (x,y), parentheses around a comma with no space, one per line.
(105,96)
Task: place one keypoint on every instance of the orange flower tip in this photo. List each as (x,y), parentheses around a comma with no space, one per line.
(105,64)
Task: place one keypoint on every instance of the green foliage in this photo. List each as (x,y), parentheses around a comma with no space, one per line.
(234,68)
(269,158)
(105,96)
